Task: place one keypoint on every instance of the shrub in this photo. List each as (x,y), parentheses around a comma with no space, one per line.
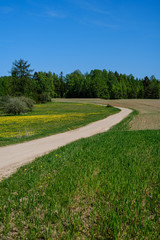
(29,102)
(108,105)
(3,101)
(15,106)
(45,97)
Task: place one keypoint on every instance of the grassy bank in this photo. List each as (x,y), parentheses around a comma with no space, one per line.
(104,187)
(48,119)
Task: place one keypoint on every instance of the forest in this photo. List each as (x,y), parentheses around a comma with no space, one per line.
(42,86)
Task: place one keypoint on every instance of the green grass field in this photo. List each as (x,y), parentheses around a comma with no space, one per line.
(103,187)
(48,119)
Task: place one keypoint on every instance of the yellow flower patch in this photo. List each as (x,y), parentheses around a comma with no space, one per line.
(18,126)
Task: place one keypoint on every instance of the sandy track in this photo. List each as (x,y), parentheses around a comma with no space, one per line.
(14,156)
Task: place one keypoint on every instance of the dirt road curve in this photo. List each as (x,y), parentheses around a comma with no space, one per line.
(14,156)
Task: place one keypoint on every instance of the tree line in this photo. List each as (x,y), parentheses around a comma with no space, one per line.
(42,86)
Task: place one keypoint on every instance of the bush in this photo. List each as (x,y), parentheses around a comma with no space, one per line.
(108,106)
(29,102)
(3,101)
(45,97)
(15,106)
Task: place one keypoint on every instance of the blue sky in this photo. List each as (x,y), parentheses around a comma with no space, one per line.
(65,35)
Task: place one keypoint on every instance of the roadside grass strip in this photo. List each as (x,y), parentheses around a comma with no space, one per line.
(103,187)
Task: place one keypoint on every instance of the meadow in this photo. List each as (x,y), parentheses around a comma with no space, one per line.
(48,119)
(103,187)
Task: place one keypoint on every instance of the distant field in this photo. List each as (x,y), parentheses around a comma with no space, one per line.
(149,110)
(47,119)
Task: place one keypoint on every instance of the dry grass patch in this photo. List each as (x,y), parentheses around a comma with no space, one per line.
(145,121)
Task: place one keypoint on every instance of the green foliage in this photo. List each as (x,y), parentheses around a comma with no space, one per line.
(21,83)
(20,69)
(109,85)
(59,85)
(43,86)
(75,84)
(5,85)
(98,84)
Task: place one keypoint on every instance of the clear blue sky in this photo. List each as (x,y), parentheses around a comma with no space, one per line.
(65,35)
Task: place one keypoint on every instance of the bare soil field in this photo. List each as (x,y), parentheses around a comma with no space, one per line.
(148,109)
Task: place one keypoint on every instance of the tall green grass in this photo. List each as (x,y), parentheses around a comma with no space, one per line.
(103,187)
